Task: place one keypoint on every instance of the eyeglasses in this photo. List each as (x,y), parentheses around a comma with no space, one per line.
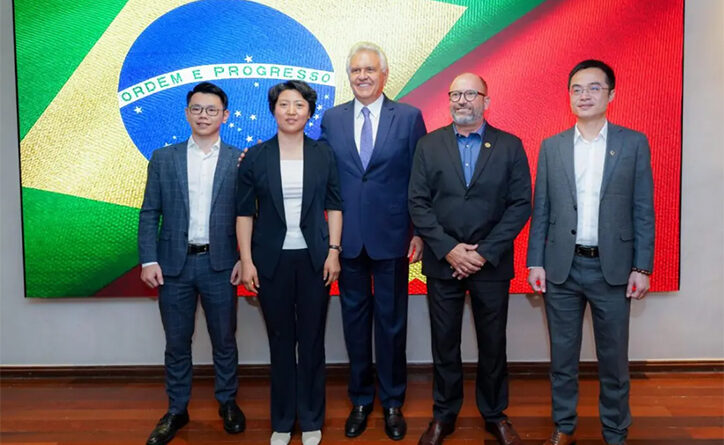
(210,110)
(593,90)
(469,95)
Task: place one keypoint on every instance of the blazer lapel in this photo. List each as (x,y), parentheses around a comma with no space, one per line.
(451,145)
(308,182)
(387,116)
(274,176)
(222,166)
(487,146)
(182,172)
(613,153)
(348,131)
(565,152)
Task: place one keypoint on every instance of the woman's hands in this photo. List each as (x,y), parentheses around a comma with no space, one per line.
(331,267)
(249,277)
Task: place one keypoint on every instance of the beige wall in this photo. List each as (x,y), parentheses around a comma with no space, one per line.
(677,325)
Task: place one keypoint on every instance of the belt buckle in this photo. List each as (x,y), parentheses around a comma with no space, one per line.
(587,251)
(197,249)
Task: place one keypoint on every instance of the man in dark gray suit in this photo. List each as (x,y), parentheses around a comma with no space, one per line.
(469,196)
(591,242)
(191,191)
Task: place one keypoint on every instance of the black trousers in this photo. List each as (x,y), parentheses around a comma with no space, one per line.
(294,303)
(489,300)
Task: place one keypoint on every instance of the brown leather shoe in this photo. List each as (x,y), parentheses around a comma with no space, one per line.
(559,438)
(436,432)
(503,431)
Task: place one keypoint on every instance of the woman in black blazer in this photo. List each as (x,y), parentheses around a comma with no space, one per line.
(290,255)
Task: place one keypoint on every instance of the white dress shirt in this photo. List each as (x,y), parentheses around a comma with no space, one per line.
(201,168)
(589,157)
(292,172)
(359,118)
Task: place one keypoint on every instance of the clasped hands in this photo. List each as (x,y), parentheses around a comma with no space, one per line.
(465,260)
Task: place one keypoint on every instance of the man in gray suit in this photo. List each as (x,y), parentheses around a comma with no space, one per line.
(591,242)
(191,191)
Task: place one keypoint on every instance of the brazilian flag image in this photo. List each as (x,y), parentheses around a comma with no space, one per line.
(102,83)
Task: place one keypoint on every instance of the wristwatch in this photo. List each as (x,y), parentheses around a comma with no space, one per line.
(336,247)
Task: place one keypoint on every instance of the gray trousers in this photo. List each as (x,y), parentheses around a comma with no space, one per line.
(610,308)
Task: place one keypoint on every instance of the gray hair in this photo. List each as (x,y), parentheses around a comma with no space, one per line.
(367,46)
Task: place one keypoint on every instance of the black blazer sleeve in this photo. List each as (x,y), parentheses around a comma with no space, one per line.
(333,199)
(245,191)
(517,208)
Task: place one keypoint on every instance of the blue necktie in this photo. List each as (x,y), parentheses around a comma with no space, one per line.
(365,140)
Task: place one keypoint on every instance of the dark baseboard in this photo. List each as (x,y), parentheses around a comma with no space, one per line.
(521,370)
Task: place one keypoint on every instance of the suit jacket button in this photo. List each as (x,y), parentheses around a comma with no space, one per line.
(575,207)
(573,232)
(364,178)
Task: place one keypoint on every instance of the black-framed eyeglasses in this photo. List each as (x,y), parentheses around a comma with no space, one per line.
(594,90)
(210,110)
(469,95)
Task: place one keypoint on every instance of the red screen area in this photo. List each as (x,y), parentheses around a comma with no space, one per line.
(526,67)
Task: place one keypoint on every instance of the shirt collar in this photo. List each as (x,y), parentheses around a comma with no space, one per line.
(375,107)
(192,145)
(603,134)
(479,131)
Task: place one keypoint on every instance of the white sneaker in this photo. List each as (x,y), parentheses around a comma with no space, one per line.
(280,438)
(311,437)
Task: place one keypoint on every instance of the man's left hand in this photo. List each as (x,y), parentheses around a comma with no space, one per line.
(475,257)
(414,253)
(236,274)
(638,285)
(241,157)
(244,152)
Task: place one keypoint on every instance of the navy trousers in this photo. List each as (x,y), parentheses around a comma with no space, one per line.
(177,301)
(375,290)
(610,309)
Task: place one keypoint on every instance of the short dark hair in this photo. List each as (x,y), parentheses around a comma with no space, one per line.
(208,88)
(304,89)
(593,63)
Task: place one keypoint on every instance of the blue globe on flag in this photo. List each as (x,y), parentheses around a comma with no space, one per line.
(243,47)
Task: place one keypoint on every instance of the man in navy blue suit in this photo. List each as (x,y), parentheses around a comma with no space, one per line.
(191,191)
(374,140)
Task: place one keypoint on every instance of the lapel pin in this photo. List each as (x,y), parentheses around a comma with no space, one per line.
(612,152)
(487,145)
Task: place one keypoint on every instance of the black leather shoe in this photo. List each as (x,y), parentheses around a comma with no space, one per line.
(234,420)
(166,428)
(357,420)
(395,425)
(504,432)
(436,432)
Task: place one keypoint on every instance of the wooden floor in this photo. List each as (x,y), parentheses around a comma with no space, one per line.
(667,409)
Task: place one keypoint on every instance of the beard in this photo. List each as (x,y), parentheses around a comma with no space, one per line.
(467,119)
